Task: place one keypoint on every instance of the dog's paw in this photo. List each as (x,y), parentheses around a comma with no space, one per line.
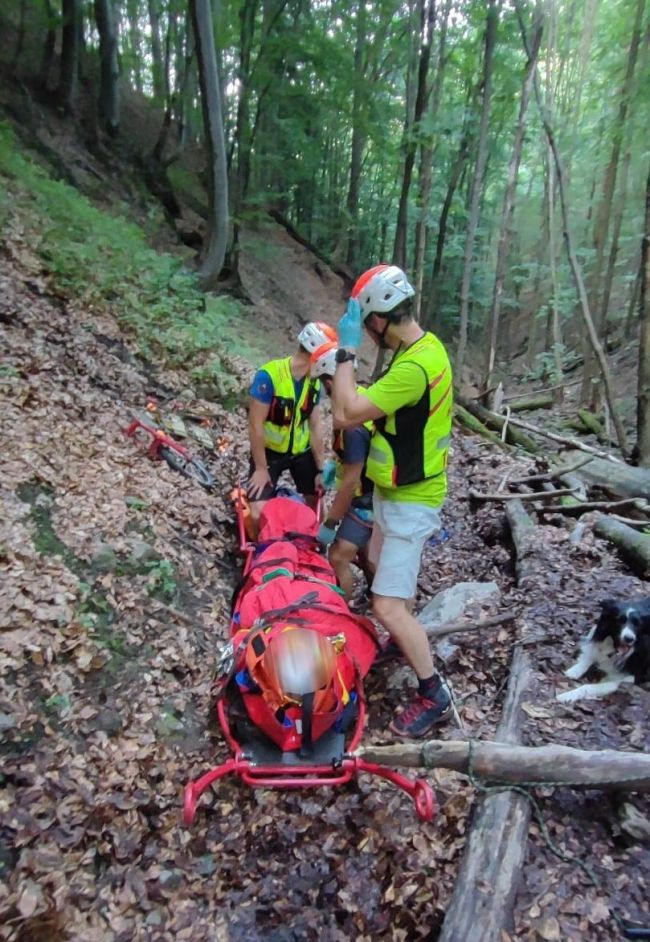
(575,672)
(570,696)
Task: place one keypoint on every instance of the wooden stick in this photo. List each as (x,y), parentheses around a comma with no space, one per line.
(538,495)
(585,506)
(549,764)
(563,440)
(454,627)
(551,475)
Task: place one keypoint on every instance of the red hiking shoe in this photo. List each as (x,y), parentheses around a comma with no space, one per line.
(423,713)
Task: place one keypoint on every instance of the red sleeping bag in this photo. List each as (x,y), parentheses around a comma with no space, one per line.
(300,654)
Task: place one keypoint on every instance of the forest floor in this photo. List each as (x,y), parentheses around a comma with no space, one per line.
(116,581)
(117,574)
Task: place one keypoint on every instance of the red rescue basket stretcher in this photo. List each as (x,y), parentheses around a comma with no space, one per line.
(289,697)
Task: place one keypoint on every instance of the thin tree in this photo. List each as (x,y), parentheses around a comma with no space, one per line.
(427,22)
(70,52)
(157,72)
(214,137)
(477,180)
(509,199)
(109,102)
(643,404)
(427,153)
(573,259)
(602,216)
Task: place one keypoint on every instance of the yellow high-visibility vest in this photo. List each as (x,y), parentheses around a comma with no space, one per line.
(286,429)
(412,444)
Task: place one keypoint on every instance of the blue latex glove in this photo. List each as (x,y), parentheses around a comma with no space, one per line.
(350,327)
(328,475)
(326,535)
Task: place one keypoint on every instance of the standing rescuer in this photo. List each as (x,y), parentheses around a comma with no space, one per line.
(411,405)
(285,423)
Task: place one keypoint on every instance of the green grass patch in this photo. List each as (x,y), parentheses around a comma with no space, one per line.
(104,260)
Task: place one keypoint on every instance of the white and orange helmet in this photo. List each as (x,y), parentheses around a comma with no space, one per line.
(322,361)
(315,334)
(381,289)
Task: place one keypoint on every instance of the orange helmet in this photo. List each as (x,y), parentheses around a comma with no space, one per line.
(380,289)
(315,334)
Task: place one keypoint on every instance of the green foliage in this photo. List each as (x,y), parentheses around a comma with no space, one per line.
(103,259)
(161,581)
(544,367)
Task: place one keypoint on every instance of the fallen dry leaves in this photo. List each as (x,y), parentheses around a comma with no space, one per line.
(106,662)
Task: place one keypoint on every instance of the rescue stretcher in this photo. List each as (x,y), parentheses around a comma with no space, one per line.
(291,630)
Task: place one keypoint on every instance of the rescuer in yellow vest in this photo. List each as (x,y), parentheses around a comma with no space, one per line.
(411,407)
(285,423)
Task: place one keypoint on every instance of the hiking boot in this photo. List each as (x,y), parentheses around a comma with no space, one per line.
(388,651)
(423,713)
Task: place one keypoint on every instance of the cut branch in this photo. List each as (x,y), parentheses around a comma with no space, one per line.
(537,495)
(517,765)
(550,475)
(454,627)
(574,510)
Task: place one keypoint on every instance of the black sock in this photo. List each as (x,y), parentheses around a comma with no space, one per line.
(428,685)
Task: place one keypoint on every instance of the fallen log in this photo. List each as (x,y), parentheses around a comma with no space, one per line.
(481,905)
(526,404)
(549,475)
(591,423)
(475,425)
(494,421)
(537,495)
(518,765)
(621,480)
(563,440)
(584,506)
(634,547)
(455,627)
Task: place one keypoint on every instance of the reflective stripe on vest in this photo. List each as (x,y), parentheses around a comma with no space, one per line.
(286,429)
(412,444)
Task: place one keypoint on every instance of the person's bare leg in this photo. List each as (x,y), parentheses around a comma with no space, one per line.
(407,632)
(341,555)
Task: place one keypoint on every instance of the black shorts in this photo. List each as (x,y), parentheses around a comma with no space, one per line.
(302,469)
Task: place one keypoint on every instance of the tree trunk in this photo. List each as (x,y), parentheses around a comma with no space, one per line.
(509,201)
(70,52)
(427,153)
(643,407)
(132,11)
(634,547)
(589,392)
(48,47)
(109,106)
(616,478)
(573,260)
(427,21)
(358,137)
(481,904)
(215,143)
(156,51)
(477,181)
(605,769)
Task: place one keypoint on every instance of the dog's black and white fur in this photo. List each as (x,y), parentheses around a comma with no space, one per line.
(619,646)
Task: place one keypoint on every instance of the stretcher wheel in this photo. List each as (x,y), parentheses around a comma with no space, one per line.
(189,805)
(424,800)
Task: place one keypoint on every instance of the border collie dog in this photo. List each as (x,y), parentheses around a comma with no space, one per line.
(619,646)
